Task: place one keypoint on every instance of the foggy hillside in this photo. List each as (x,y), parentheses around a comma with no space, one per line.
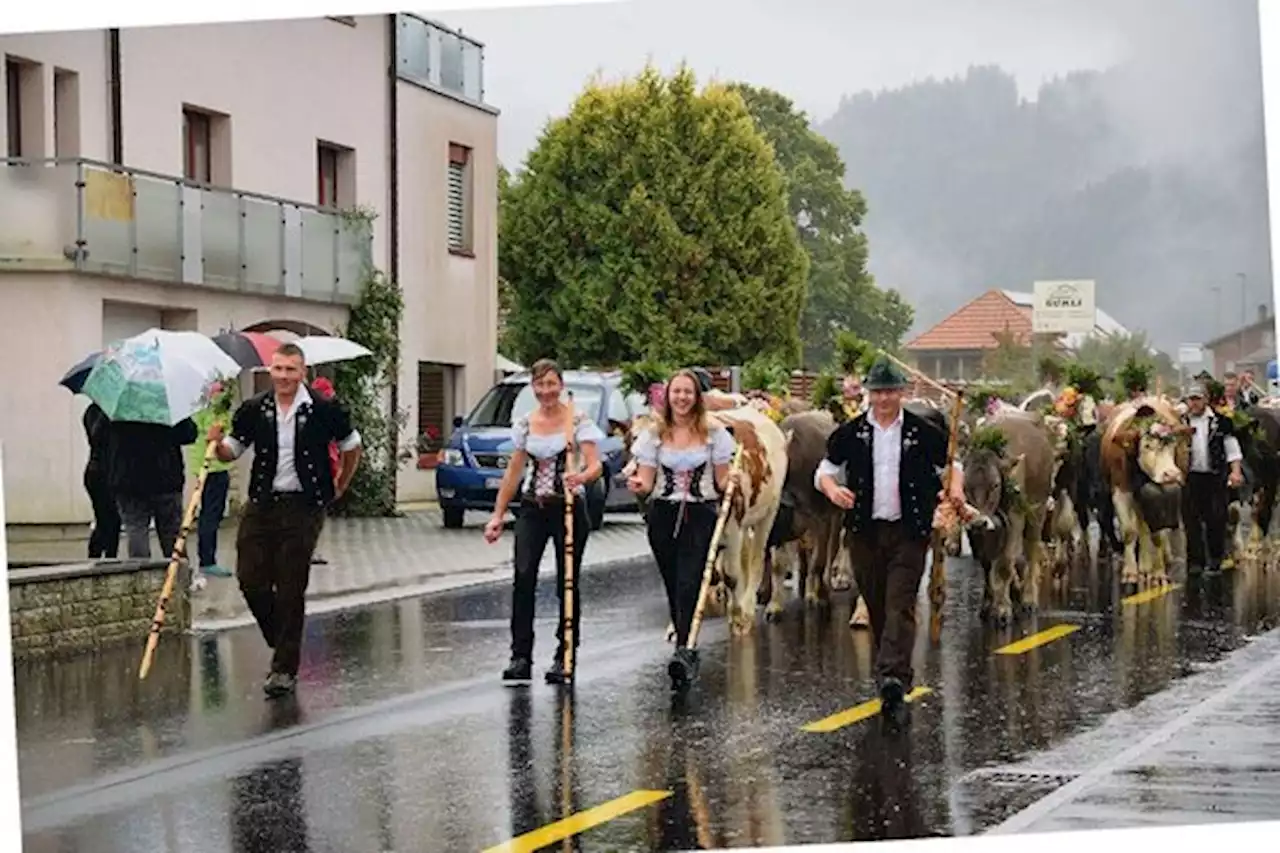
(1148,177)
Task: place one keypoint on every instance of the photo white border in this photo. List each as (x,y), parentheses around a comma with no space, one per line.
(53,15)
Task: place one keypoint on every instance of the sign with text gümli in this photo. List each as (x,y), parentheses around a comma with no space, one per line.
(1190,354)
(1063,308)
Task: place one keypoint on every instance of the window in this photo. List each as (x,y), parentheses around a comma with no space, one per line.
(327,168)
(66,113)
(459,199)
(13,104)
(197,146)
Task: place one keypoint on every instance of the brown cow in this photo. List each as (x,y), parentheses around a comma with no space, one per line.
(1144,469)
(1011,491)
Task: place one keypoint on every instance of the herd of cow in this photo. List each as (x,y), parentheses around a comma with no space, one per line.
(1119,473)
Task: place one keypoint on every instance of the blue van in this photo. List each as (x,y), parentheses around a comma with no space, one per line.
(474,460)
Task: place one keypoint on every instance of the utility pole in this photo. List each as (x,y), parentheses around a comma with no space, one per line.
(1244,314)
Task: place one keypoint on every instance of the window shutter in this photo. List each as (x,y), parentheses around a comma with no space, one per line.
(457,205)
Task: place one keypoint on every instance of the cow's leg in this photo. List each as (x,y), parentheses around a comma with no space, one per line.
(838,557)
(1004,568)
(752,569)
(774,575)
(1163,557)
(1146,552)
(765,596)
(1127,514)
(815,577)
(1033,549)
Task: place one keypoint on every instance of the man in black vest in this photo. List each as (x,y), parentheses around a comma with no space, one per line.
(893,461)
(290,486)
(1215,467)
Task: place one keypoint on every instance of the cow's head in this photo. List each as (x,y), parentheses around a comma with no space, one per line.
(1154,447)
(986,474)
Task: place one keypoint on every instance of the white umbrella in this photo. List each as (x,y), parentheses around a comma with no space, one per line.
(158,377)
(325,349)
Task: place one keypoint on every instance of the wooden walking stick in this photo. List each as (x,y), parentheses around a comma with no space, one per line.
(179,553)
(569,466)
(938,577)
(708,570)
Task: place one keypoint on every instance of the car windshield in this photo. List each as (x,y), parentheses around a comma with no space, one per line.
(508,402)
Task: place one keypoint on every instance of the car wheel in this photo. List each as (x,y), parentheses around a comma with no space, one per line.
(453,517)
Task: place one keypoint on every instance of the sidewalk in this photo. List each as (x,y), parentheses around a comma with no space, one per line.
(372,560)
(1207,750)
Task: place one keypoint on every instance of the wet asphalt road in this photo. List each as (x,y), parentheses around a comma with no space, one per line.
(403,739)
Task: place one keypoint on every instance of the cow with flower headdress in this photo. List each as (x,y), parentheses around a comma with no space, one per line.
(1145,458)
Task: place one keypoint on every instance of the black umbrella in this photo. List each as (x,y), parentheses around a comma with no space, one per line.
(73,381)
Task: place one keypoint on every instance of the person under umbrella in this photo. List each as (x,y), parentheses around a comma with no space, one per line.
(213,499)
(104,540)
(290,486)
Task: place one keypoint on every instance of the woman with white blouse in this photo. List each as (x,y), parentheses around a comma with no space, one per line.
(540,438)
(683,465)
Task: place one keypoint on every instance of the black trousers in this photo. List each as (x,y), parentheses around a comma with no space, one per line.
(273,563)
(1204,515)
(888,564)
(536,525)
(104,541)
(681,554)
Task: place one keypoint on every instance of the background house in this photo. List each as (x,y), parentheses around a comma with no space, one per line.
(1250,347)
(194,177)
(954,349)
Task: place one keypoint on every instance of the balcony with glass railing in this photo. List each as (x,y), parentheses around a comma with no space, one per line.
(85,216)
(439,58)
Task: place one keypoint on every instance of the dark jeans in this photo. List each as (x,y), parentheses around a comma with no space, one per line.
(138,511)
(535,526)
(273,563)
(681,555)
(1204,513)
(104,541)
(213,503)
(888,563)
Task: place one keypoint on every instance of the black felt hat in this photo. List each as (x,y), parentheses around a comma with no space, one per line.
(884,375)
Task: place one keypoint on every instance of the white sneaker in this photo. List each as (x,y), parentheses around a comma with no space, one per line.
(198,582)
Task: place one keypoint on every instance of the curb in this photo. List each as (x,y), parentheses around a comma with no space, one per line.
(466,580)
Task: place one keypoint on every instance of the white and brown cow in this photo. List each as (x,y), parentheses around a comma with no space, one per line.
(753,509)
(1144,473)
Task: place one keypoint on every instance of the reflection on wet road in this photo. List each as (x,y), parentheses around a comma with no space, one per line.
(402,737)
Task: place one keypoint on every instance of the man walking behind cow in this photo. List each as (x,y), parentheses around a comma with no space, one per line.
(893,461)
(1215,468)
(290,486)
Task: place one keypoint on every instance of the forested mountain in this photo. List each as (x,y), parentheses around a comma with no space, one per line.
(1149,177)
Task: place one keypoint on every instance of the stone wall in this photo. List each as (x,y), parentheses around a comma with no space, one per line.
(74,608)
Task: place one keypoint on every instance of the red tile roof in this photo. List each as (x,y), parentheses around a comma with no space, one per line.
(975,325)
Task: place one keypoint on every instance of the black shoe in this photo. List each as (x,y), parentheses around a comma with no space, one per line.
(683,668)
(279,684)
(519,671)
(893,704)
(556,674)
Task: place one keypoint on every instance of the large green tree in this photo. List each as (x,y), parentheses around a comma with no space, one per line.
(652,222)
(828,217)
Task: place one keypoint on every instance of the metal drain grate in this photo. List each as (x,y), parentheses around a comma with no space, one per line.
(1004,777)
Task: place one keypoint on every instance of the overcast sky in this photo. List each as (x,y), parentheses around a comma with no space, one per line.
(537,59)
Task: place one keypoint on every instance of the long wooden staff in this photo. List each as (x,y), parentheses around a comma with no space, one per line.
(570,464)
(179,552)
(938,578)
(937,386)
(709,568)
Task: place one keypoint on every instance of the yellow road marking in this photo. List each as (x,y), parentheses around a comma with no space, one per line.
(1150,594)
(1026,644)
(857,713)
(576,824)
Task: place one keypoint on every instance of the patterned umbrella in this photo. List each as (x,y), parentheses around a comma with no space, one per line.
(74,378)
(158,377)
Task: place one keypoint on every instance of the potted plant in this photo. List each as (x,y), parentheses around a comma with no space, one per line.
(429,447)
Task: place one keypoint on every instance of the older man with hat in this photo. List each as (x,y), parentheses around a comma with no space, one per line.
(1215,466)
(893,462)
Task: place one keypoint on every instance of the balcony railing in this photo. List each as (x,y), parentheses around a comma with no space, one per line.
(439,57)
(93,217)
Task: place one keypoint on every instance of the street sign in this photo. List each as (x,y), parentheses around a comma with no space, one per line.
(1063,308)
(1190,354)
